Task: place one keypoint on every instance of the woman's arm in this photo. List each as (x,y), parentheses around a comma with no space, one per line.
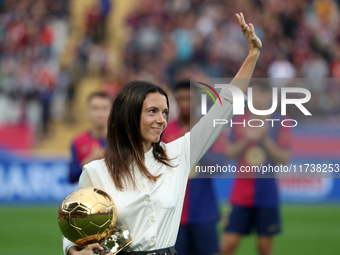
(203,134)
(254,46)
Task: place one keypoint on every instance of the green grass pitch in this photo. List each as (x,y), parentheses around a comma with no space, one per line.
(307,230)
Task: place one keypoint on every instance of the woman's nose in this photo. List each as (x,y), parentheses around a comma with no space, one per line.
(161,118)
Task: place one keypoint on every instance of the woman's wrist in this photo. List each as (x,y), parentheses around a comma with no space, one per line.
(254,53)
(73,249)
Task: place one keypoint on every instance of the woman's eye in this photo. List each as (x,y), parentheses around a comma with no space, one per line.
(152,111)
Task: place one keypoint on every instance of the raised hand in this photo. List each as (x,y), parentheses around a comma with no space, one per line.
(248,30)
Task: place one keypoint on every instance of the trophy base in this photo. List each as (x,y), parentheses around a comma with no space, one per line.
(117,241)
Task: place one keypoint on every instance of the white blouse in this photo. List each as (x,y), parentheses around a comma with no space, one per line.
(152,212)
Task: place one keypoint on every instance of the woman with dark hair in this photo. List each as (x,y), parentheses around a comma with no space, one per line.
(145,177)
(130,132)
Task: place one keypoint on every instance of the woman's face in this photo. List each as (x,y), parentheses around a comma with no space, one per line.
(153,119)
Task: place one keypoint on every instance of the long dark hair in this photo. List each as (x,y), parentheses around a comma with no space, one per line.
(124,142)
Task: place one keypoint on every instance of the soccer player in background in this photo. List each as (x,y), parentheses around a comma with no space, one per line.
(197,233)
(89,145)
(255,201)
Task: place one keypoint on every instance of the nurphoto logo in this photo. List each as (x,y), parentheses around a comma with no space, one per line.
(238,104)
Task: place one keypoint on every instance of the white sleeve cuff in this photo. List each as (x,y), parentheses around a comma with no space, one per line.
(67,244)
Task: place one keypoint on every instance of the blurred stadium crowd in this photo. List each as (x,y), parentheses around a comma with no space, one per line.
(32,35)
(167,40)
(300,38)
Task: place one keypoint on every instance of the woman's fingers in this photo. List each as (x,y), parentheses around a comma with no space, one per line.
(95,246)
(248,31)
(256,41)
(241,20)
(252,30)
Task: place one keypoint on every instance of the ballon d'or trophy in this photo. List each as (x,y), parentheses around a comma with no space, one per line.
(89,215)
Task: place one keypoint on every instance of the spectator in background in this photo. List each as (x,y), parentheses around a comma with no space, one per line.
(89,145)
(197,233)
(112,82)
(255,201)
(315,68)
(28,59)
(96,21)
(281,67)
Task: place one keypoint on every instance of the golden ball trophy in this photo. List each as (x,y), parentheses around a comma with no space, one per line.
(89,215)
